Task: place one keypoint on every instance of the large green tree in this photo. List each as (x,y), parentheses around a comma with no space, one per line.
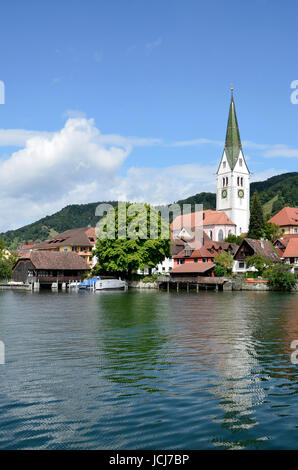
(127,245)
(257,222)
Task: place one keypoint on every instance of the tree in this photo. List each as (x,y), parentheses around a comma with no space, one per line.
(234,239)
(258,262)
(280,278)
(256,223)
(225,260)
(126,246)
(272,231)
(5,269)
(2,246)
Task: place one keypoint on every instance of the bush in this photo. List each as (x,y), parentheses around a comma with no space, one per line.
(151,278)
(280,278)
(220,271)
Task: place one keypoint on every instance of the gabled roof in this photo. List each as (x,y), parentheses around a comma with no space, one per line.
(286,216)
(233,141)
(261,247)
(55,260)
(202,252)
(291,250)
(192,268)
(75,237)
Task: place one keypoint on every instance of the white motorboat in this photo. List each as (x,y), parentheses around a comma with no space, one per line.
(106,282)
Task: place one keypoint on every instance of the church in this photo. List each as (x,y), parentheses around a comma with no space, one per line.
(231,216)
(232,195)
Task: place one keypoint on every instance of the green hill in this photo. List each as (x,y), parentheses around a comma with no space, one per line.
(275,193)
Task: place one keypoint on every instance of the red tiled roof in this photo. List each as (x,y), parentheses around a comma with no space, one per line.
(286,216)
(291,250)
(207,217)
(198,253)
(192,268)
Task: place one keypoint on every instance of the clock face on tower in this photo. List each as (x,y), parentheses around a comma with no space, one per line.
(241,193)
(224,193)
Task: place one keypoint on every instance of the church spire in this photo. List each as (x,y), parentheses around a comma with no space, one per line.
(233,141)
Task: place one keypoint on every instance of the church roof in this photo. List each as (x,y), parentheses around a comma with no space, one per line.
(233,141)
(207,217)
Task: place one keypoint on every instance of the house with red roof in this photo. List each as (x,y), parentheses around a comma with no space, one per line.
(287,219)
(287,248)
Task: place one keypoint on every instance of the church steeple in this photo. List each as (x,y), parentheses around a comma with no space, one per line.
(232,195)
(233,141)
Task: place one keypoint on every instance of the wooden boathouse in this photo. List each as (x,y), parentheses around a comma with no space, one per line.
(193,276)
(48,267)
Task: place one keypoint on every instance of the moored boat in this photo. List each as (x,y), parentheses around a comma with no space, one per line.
(102,283)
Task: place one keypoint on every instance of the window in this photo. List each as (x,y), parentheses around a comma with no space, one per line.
(227,181)
(224,164)
(220,235)
(241,181)
(240,161)
(195,260)
(241,264)
(238,179)
(181,261)
(210,234)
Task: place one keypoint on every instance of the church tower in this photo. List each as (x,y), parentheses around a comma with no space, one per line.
(232,196)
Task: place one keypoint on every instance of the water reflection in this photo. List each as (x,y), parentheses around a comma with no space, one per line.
(133,340)
(149,370)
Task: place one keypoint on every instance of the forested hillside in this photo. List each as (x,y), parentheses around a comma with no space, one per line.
(275,193)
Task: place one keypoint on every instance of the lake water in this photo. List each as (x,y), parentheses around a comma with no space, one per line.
(148,370)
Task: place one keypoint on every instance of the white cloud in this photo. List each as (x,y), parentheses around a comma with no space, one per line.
(164,185)
(264,175)
(152,45)
(74,165)
(19,137)
(79,164)
(281,151)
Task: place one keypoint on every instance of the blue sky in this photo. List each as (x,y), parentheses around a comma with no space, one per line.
(144,86)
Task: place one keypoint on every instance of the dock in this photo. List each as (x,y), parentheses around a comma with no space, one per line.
(196,283)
